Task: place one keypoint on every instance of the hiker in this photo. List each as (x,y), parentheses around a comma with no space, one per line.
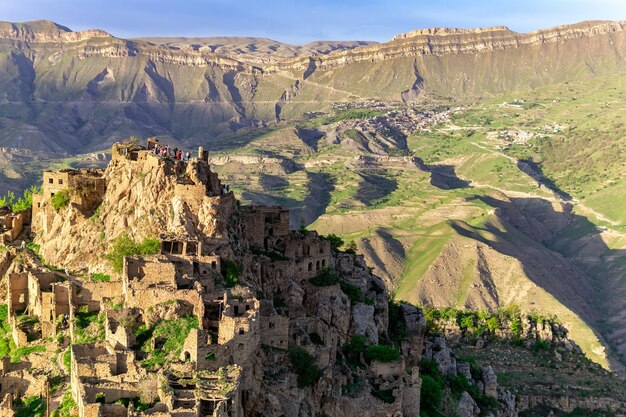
(67,271)
(23,246)
(175,152)
(187,156)
(179,155)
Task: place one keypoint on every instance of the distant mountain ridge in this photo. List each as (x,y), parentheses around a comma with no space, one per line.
(74,92)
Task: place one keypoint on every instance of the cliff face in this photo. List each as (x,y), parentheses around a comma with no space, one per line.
(194,94)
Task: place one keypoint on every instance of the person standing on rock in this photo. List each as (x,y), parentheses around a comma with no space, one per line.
(188,156)
(179,155)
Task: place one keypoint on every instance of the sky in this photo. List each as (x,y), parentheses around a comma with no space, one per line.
(301,21)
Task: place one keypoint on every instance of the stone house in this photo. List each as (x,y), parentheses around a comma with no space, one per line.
(11,224)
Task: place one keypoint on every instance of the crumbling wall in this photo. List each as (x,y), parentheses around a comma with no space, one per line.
(95,294)
(275,331)
(17,293)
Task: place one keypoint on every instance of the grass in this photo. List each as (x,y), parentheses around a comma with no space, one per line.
(420,256)
(88,326)
(100,277)
(125,246)
(67,406)
(173,333)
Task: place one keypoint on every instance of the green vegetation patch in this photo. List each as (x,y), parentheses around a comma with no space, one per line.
(168,337)
(325,278)
(60,199)
(125,246)
(67,406)
(304,366)
(100,277)
(20,204)
(33,406)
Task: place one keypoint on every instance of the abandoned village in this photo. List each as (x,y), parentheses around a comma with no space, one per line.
(150,291)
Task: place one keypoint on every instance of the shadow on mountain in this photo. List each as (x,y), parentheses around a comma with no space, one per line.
(374,187)
(310,137)
(445,178)
(442,176)
(534,171)
(301,211)
(530,226)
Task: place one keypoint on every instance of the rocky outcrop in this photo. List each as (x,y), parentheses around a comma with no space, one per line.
(455,41)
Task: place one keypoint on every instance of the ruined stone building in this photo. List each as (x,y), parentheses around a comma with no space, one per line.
(12,224)
(40,294)
(242,280)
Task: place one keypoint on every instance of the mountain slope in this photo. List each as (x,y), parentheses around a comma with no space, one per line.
(54,79)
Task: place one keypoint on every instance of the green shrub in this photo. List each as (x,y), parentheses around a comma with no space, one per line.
(382,353)
(60,199)
(397,327)
(352,291)
(174,332)
(335,241)
(354,348)
(431,394)
(125,246)
(23,203)
(304,366)
(325,278)
(351,247)
(231,272)
(33,406)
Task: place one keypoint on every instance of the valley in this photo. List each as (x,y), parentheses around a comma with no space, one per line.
(460,189)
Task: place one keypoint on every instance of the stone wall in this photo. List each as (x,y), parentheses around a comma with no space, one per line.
(94,294)
(275,331)
(17,292)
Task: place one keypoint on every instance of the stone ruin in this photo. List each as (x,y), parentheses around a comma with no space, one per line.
(12,224)
(188,278)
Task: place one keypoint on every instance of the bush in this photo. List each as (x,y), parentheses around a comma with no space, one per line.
(33,406)
(431,394)
(231,272)
(354,348)
(351,247)
(23,203)
(382,353)
(397,327)
(325,278)
(335,241)
(352,291)
(174,332)
(304,366)
(60,199)
(125,246)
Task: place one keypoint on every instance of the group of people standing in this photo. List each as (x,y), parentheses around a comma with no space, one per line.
(165,151)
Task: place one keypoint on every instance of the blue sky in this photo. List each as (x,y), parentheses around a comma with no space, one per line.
(300,21)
